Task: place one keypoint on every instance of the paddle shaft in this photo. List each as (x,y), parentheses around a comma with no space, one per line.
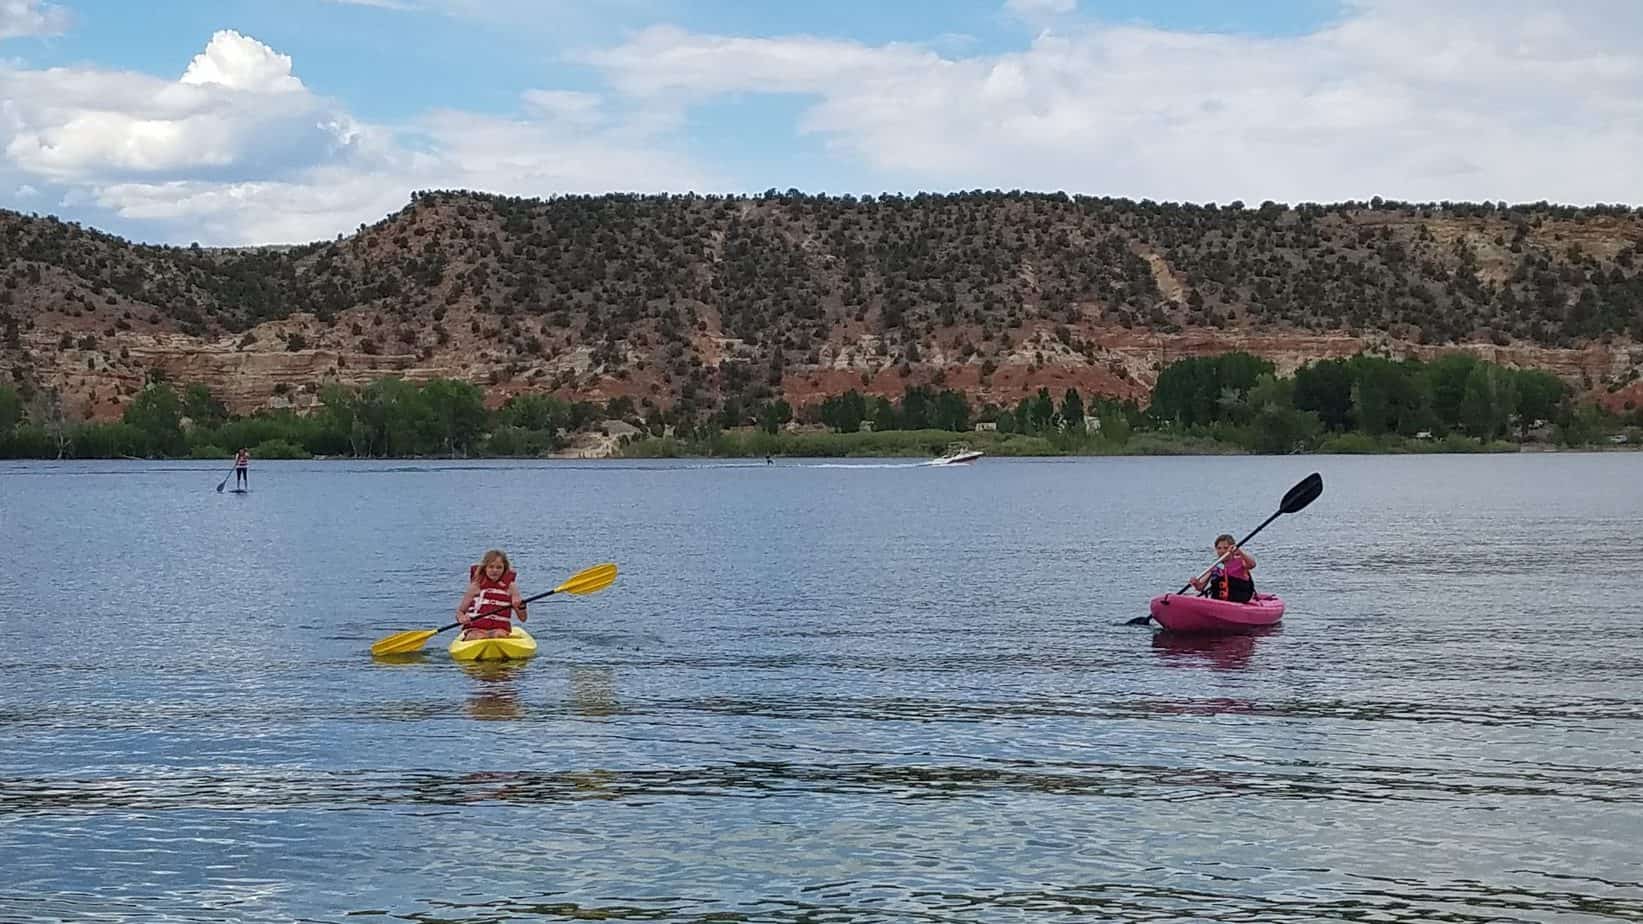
(502,609)
(1276,514)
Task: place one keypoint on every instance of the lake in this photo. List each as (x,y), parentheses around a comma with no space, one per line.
(823,691)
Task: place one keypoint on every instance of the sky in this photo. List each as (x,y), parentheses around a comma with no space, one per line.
(229,122)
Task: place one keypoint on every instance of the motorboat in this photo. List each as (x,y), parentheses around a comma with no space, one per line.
(957,454)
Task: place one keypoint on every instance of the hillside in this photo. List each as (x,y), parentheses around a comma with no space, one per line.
(685,301)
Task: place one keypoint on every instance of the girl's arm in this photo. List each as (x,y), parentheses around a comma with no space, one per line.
(1249,560)
(518,603)
(467,601)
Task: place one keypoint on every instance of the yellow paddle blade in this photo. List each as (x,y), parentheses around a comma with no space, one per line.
(586,582)
(403,642)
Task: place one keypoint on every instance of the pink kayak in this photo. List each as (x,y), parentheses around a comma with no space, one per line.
(1191,613)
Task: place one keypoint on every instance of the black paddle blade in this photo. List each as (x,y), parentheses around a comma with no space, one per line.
(1302,494)
(1139,620)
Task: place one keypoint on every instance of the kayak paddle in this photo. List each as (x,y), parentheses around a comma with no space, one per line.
(587,581)
(1296,500)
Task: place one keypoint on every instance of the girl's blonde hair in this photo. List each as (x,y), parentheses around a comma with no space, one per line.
(493,555)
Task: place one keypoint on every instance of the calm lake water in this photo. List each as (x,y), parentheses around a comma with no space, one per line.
(823,692)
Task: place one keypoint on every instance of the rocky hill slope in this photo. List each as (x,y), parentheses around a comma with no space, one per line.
(688,300)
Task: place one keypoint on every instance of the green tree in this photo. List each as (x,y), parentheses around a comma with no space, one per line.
(1446,377)
(1042,411)
(393,416)
(884,414)
(620,407)
(11,410)
(1201,390)
(1072,411)
(157,413)
(202,408)
(109,441)
(342,412)
(732,413)
(1582,427)
(774,415)
(457,410)
(1540,396)
(1325,387)
(1276,424)
(1487,403)
(1023,416)
(1386,397)
(1115,420)
(917,403)
(535,411)
(844,413)
(1116,428)
(951,411)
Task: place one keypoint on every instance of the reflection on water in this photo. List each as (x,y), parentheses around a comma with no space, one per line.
(1229,652)
(496,689)
(1398,900)
(593,691)
(826,694)
(404,659)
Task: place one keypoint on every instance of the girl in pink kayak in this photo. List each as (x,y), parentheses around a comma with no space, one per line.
(492,593)
(1230,579)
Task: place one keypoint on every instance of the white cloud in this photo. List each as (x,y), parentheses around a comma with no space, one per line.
(565,106)
(237,111)
(241,63)
(456,151)
(19,18)
(1462,100)
(1033,9)
(238,150)
(1465,100)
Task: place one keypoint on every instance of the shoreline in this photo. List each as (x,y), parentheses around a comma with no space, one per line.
(923,445)
(1528,449)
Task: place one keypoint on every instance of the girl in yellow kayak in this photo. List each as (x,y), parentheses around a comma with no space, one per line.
(491,594)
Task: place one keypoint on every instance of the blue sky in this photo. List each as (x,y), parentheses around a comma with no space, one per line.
(255,121)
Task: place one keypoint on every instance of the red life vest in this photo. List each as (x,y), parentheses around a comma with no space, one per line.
(494,596)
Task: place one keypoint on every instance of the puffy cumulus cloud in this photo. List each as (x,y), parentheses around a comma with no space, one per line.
(239,151)
(1463,100)
(241,63)
(237,111)
(19,18)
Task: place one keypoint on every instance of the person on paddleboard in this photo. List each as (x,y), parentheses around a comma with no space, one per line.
(1230,579)
(492,594)
(242,462)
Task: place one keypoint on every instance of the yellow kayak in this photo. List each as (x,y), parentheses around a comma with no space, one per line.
(515,646)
